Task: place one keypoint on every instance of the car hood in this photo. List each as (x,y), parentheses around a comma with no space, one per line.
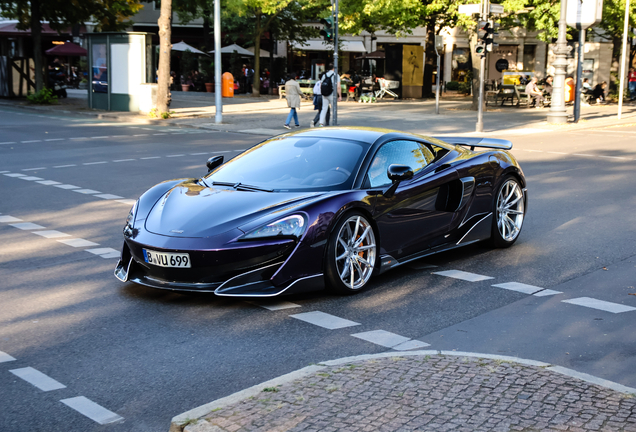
(193,210)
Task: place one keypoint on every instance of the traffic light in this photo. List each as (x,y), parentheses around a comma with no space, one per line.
(480,48)
(482,37)
(490,36)
(327,29)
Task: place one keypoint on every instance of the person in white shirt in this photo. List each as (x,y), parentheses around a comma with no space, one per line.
(533,92)
(318,104)
(327,101)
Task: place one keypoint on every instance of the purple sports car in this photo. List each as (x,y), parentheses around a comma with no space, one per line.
(322,207)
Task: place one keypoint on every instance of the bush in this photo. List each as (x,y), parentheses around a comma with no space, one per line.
(464,87)
(452,85)
(43,97)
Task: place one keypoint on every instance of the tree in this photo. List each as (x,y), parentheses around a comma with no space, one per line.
(165,46)
(284,18)
(110,15)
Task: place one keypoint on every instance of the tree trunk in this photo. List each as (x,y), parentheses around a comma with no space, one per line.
(430,61)
(271,62)
(206,29)
(476,64)
(256,83)
(36,33)
(165,34)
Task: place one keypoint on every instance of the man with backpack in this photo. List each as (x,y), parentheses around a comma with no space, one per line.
(329,84)
(318,104)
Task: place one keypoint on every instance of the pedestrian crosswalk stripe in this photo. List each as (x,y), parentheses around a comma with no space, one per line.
(519,287)
(38,379)
(4,357)
(546,292)
(600,304)
(7,218)
(90,409)
(274,306)
(390,340)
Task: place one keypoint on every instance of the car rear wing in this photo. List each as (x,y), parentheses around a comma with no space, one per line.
(473,142)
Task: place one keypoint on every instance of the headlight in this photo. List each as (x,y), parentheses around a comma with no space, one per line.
(289,226)
(130,220)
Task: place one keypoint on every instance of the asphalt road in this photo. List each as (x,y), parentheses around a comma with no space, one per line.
(146,355)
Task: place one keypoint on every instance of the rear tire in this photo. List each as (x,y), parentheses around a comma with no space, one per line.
(508,213)
(351,254)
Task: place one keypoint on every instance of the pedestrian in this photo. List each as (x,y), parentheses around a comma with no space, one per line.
(329,84)
(533,92)
(318,105)
(632,84)
(249,78)
(292,94)
(599,92)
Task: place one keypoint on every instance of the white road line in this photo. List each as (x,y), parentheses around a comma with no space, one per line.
(115,254)
(222,151)
(30,141)
(148,129)
(150,157)
(160,134)
(124,160)
(177,155)
(51,234)
(90,409)
(33,169)
(66,186)
(8,142)
(100,137)
(86,191)
(390,340)
(274,306)
(78,242)
(79,138)
(30,178)
(614,157)
(108,196)
(4,172)
(519,287)
(15,175)
(65,166)
(546,292)
(600,304)
(27,226)
(579,154)
(178,133)
(119,136)
(198,154)
(37,378)
(324,320)
(8,218)
(126,201)
(54,139)
(138,135)
(95,163)
(4,357)
(102,251)
(458,274)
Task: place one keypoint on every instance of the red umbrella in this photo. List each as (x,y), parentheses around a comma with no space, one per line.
(68,49)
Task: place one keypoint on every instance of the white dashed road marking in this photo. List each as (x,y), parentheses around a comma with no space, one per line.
(389,340)
(95,163)
(37,378)
(108,196)
(458,274)
(48,182)
(15,175)
(78,242)
(34,169)
(51,234)
(124,160)
(65,166)
(4,357)
(90,409)
(519,287)
(150,157)
(274,306)
(546,292)
(86,191)
(8,142)
(126,201)
(324,320)
(30,178)
(67,186)
(600,305)
(54,139)
(9,219)
(27,226)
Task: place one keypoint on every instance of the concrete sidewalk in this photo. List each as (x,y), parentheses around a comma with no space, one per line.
(265,115)
(424,391)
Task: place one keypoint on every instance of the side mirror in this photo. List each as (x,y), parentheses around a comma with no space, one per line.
(214,162)
(397,174)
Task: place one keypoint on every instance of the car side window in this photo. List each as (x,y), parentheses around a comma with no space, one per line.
(403,152)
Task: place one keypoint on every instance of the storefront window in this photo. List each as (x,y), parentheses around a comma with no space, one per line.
(461,64)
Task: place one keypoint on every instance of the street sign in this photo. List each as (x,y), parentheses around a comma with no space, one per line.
(470,9)
(496,9)
(502,65)
(582,14)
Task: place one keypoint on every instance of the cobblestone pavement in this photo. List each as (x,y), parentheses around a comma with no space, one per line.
(428,393)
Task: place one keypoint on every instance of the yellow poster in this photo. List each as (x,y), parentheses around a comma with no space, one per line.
(412,65)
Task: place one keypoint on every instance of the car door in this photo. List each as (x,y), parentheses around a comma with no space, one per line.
(417,216)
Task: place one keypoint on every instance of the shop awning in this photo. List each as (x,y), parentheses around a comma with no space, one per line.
(182,46)
(235,48)
(318,45)
(375,55)
(67,49)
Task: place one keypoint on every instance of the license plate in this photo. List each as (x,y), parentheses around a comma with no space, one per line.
(167,259)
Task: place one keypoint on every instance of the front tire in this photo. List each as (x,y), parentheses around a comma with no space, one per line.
(508,213)
(351,254)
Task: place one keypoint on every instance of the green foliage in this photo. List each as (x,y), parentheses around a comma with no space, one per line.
(452,85)
(43,97)
(189,63)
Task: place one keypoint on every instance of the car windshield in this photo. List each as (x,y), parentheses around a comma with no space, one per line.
(294,163)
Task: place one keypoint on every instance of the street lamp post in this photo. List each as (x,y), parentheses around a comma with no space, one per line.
(557,113)
(218,117)
(335,63)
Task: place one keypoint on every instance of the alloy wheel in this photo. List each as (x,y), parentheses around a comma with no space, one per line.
(355,252)
(510,210)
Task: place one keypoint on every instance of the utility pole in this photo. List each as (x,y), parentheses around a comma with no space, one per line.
(218,116)
(557,113)
(579,85)
(439,43)
(335,61)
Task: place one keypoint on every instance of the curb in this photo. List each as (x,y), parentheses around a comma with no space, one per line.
(177,422)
